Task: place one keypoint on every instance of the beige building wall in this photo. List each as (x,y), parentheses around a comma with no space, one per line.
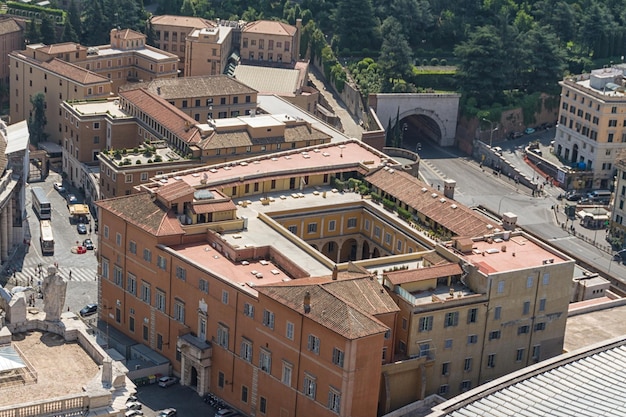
(270,41)
(207,51)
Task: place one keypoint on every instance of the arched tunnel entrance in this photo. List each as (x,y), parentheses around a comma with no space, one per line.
(417,129)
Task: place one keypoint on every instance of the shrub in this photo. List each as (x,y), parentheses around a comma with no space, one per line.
(138,162)
(434,62)
(388,204)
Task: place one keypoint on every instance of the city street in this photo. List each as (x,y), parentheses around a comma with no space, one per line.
(82,285)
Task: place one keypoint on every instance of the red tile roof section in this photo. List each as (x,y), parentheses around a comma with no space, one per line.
(164,113)
(270,27)
(422,274)
(213,207)
(73,72)
(460,220)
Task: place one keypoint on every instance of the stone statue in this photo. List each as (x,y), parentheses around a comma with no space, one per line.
(54,287)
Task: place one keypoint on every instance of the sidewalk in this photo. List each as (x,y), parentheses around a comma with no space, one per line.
(595,237)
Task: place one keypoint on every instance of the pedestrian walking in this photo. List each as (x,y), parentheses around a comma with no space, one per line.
(70,274)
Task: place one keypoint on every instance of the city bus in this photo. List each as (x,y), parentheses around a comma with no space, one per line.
(47,240)
(41,204)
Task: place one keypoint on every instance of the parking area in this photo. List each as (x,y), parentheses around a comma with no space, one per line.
(184,399)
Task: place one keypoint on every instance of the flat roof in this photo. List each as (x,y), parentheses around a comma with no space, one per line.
(329,156)
(61,368)
(100,107)
(519,252)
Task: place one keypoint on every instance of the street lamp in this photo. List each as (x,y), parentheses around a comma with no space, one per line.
(492,129)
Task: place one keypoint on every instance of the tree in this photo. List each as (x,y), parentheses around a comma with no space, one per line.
(73,15)
(32,32)
(48,30)
(480,73)
(95,30)
(37,120)
(543,62)
(69,34)
(356,26)
(188,8)
(395,61)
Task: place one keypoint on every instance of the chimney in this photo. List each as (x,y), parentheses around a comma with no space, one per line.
(307,302)
(335,272)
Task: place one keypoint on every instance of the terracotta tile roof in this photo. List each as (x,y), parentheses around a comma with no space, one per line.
(183,21)
(213,207)
(9,26)
(73,72)
(60,48)
(365,293)
(221,140)
(175,190)
(459,219)
(142,211)
(327,309)
(129,34)
(421,274)
(270,27)
(164,113)
(200,86)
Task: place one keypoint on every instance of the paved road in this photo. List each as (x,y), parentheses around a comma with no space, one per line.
(82,286)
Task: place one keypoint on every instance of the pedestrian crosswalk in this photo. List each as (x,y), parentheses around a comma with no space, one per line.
(30,275)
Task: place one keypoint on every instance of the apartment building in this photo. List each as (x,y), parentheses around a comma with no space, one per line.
(69,71)
(171,34)
(592,126)
(244,274)
(205,97)
(208,50)
(271,41)
(11,39)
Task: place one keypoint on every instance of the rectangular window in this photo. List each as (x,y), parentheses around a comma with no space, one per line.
(162,262)
(131,284)
(313,344)
(222,335)
(289,331)
(147,255)
(203,285)
(494,335)
(546,278)
(244,394)
(246,350)
(542,304)
(467,365)
(472,315)
(310,385)
(529,282)
(351,222)
(519,355)
(497,313)
(106,231)
(445,368)
(118,277)
(443,389)
(263,405)
(160,300)
(132,247)
(452,319)
(377,232)
(334,400)
(145,292)
(312,228)
(268,319)
(105,268)
(338,357)
(491,360)
(224,297)
(179,311)
(526,308)
(220,379)
(425,324)
(447,344)
(293,229)
(472,339)
(248,310)
(145,332)
(287,372)
(536,352)
(332,225)
(523,330)
(181,273)
(540,326)
(500,287)
(265,361)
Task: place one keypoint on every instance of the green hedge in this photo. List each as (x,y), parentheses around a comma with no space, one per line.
(36,9)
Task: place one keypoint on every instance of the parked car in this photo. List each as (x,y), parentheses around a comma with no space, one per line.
(167,381)
(620,256)
(226,412)
(59,187)
(134,405)
(88,244)
(133,413)
(132,398)
(573,196)
(81,228)
(497,150)
(71,199)
(515,135)
(529,131)
(88,310)
(167,412)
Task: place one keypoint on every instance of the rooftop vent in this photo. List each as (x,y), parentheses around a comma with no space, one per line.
(434,195)
(453,206)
